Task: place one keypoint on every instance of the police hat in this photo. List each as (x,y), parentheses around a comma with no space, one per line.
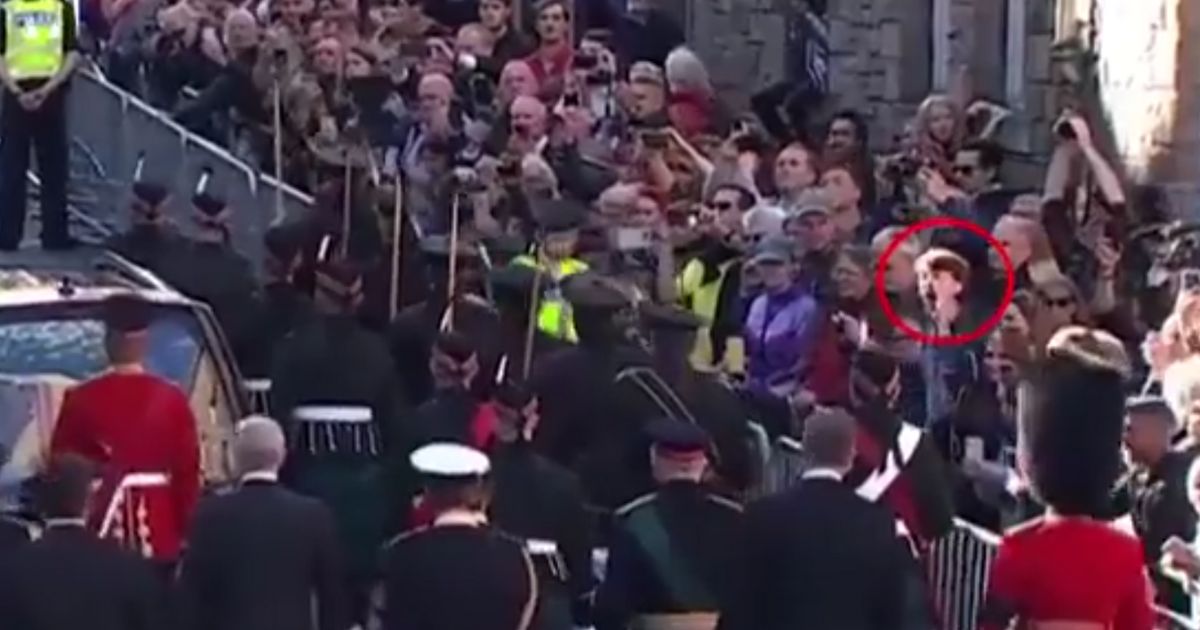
(127,313)
(668,317)
(447,460)
(595,292)
(677,438)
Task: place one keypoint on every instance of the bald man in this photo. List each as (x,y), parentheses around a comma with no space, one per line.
(517,79)
(528,122)
(260,556)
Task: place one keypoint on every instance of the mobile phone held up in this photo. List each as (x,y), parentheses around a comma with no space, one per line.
(628,239)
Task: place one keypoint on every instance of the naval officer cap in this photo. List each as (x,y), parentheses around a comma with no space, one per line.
(447,460)
(676,438)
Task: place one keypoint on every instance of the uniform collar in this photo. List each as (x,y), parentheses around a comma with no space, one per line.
(260,476)
(822,473)
(65,523)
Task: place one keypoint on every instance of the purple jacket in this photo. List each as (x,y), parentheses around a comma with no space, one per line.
(779,332)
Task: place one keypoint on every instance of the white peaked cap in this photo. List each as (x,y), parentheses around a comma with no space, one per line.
(447,459)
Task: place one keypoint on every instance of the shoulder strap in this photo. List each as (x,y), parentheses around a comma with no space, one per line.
(651,535)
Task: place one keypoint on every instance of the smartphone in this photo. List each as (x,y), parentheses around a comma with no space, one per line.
(973,448)
(628,239)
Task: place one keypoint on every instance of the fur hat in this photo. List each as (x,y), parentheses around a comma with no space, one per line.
(1072,421)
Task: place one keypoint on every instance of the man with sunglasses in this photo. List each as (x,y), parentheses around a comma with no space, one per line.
(709,285)
(977,173)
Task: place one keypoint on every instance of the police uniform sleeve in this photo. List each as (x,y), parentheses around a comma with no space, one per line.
(70,28)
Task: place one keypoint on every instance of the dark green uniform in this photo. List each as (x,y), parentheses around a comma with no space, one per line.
(327,364)
(671,553)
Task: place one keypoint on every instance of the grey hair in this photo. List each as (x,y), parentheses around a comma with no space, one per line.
(685,71)
(828,438)
(259,445)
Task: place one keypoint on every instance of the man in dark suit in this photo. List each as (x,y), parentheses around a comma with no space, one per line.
(819,557)
(261,555)
(68,579)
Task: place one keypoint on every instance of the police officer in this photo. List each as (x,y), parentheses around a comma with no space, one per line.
(558,223)
(458,572)
(542,502)
(333,389)
(38,42)
(413,333)
(669,558)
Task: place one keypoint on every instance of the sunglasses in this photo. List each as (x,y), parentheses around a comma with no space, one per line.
(723,206)
(964,170)
(1063,302)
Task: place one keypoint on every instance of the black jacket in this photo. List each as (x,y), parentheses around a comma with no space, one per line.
(69,580)
(817,557)
(257,558)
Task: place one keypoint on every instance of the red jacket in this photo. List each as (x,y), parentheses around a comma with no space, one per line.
(135,424)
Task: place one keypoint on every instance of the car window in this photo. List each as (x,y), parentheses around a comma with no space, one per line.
(43,341)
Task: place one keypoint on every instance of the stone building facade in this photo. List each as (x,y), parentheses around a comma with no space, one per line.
(1133,68)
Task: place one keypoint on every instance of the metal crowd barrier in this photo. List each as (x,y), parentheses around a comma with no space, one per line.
(111,128)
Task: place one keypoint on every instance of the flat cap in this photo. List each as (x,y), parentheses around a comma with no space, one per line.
(152,194)
(773,249)
(209,205)
(811,202)
(447,460)
(676,437)
(513,280)
(1148,404)
(127,313)
(668,317)
(593,291)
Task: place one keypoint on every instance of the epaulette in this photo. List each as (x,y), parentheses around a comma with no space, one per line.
(405,535)
(726,502)
(635,504)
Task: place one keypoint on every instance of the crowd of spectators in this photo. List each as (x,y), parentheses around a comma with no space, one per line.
(772,235)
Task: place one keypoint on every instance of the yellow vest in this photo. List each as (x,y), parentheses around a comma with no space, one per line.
(554,313)
(34,38)
(701,299)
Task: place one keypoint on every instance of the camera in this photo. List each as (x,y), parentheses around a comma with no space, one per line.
(586,62)
(902,167)
(1064,130)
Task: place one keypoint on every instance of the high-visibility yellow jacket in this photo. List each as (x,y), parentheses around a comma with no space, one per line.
(34,38)
(554,313)
(701,297)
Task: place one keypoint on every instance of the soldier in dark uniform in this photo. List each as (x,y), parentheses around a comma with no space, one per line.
(585,426)
(512,289)
(458,572)
(416,327)
(670,556)
(334,392)
(377,281)
(542,502)
(150,241)
(210,270)
(282,306)
(688,395)
(452,414)
(69,579)
(1155,490)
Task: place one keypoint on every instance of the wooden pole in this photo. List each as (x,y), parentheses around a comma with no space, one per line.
(531,326)
(347,198)
(452,281)
(397,248)
(278,122)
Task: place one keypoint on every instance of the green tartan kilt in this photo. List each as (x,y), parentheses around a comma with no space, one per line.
(356,492)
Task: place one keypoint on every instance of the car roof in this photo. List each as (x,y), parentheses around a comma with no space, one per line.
(31,278)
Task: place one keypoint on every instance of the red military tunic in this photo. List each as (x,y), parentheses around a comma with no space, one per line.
(1064,569)
(136,426)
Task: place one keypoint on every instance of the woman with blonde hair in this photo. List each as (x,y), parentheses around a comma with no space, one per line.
(941,130)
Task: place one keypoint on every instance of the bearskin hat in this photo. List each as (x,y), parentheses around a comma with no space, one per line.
(1071,422)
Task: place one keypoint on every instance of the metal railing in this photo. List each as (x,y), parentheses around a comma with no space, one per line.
(110,128)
